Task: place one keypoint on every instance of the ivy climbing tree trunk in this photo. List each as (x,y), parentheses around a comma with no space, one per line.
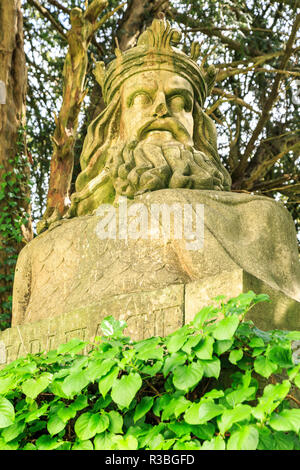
(15,224)
(84,24)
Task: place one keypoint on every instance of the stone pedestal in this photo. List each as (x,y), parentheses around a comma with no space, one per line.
(149,313)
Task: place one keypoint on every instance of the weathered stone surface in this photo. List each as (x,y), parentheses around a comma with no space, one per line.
(150,313)
(155,313)
(282,312)
(70,267)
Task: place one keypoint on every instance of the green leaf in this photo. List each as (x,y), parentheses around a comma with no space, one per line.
(83,445)
(240,395)
(89,424)
(175,359)
(80,403)
(104,441)
(297,381)
(143,407)
(264,366)
(115,422)
(217,443)
(106,382)
(7,413)
(204,314)
(204,350)
(124,443)
(33,387)
(99,368)
(173,406)
(191,343)
(125,389)
(235,355)
(65,413)
(12,432)
(246,438)
(35,414)
(45,442)
(149,349)
(212,368)
(281,356)
(200,413)
(112,327)
(287,420)
(6,384)
(176,340)
(187,376)
(55,425)
(222,346)
(180,428)
(226,328)
(73,346)
(74,383)
(229,417)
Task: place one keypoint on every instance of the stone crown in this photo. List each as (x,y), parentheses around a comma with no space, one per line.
(155,51)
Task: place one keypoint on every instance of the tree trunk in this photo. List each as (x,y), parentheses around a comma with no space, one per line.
(13,169)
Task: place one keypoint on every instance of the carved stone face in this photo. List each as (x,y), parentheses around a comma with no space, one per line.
(157,107)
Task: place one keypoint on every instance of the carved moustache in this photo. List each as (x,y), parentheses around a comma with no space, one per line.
(169,124)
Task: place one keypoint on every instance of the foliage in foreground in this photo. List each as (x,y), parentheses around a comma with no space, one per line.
(159,393)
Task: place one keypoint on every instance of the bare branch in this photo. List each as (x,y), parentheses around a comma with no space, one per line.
(59,6)
(269,102)
(46,13)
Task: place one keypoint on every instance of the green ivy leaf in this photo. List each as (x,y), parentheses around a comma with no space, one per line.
(89,424)
(200,413)
(83,445)
(143,407)
(74,383)
(212,368)
(176,340)
(217,443)
(73,346)
(235,355)
(55,425)
(226,328)
(125,389)
(187,376)
(6,384)
(281,356)
(7,413)
(104,441)
(246,438)
(106,382)
(115,422)
(175,359)
(204,350)
(287,420)
(124,443)
(12,432)
(46,442)
(99,368)
(229,417)
(33,387)
(264,366)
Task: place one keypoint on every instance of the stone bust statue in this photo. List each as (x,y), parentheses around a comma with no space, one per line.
(154,144)
(153,133)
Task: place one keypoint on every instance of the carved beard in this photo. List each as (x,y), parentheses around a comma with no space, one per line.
(139,167)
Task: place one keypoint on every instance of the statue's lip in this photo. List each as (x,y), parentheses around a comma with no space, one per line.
(164,124)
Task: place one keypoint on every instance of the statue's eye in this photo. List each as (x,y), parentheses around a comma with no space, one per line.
(141,99)
(177,103)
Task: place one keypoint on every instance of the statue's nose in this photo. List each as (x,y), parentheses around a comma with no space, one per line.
(160,106)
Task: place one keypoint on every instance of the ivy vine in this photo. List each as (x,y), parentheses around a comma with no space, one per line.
(14,184)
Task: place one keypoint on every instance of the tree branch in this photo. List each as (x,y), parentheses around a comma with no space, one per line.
(239,171)
(46,13)
(59,6)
